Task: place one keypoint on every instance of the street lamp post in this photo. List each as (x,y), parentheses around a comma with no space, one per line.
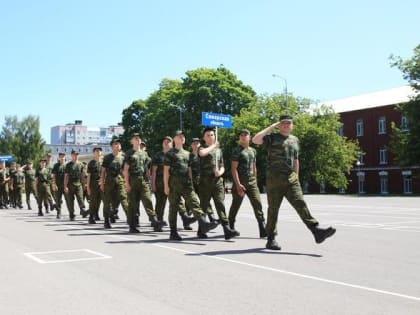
(285,88)
(180,109)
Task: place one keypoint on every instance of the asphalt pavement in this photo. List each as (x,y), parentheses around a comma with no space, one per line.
(370,266)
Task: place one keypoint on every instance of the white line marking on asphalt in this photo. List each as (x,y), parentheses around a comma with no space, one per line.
(33,255)
(295,274)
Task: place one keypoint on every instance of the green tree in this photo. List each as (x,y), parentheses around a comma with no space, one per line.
(405,143)
(202,90)
(22,139)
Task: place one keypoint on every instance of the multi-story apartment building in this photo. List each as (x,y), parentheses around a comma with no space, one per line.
(368,119)
(78,134)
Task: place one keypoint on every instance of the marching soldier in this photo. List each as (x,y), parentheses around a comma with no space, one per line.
(73,185)
(30,183)
(93,185)
(283,179)
(244,174)
(58,174)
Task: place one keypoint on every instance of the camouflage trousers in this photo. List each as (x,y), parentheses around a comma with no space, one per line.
(181,187)
(58,197)
(30,188)
(140,191)
(213,188)
(253,193)
(114,193)
(282,185)
(95,198)
(75,191)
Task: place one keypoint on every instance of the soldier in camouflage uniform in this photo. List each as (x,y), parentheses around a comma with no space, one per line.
(137,185)
(12,173)
(283,179)
(244,174)
(42,186)
(58,173)
(93,182)
(49,167)
(30,185)
(157,178)
(73,185)
(211,180)
(112,182)
(177,181)
(17,186)
(4,185)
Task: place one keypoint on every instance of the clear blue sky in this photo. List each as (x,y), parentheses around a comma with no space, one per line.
(88,60)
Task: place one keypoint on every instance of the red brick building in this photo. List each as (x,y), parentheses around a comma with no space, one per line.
(368,119)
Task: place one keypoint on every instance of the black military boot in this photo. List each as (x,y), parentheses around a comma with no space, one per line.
(232,227)
(40,213)
(157,225)
(201,234)
(174,235)
(29,206)
(96,216)
(320,234)
(261,227)
(212,218)
(229,233)
(205,225)
(58,214)
(186,221)
(83,212)
(107,224)
(133,229)
(92,219)
(46,209)
(272,243)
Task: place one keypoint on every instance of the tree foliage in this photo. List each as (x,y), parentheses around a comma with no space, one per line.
(201,90)
(405,144)
(22,139)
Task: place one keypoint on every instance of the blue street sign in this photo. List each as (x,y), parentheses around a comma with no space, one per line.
(6,158)
(216,120)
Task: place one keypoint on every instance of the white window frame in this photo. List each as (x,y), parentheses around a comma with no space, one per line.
(383,155)
(382,125)
(359,127)
(407,185)
(384,183)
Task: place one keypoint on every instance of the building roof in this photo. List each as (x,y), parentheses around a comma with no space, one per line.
(370,100)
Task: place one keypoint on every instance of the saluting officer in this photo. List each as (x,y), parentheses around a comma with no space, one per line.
(283,179)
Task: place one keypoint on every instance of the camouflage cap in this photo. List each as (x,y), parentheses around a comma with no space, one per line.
(178,132)
(167,138)
(97,149)
(61,154)
(244,131)
(286,118)
(195,140)
(115,139)
(74,152)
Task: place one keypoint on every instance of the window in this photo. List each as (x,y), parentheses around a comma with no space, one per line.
(407,185)
(383,155)
(382,125)
(384,183)
(359,127)
(361,158)
(340,130)
(407,182)
(361,182)
(322,187)
(404,123)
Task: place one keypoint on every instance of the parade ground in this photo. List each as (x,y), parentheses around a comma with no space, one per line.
(370,266)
